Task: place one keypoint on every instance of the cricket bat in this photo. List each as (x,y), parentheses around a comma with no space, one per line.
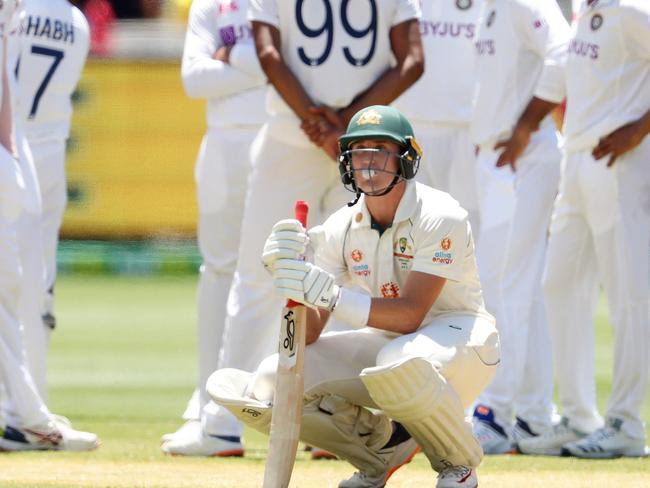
(289,385)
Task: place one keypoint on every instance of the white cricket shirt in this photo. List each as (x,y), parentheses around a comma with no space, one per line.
(607,71)
(429,234)
(444,92)
(521,46)
(234,90)
(336,48)
(51,47)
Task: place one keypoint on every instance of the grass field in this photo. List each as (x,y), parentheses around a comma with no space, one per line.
(122,365)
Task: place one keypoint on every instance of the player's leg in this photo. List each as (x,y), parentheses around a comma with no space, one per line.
(221,177)
(425,380)
(49,160)
(570,290)
(32,294)
(537,181)
(497,204)
(281,174)
(623,259)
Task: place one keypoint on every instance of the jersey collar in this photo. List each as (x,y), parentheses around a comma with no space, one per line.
(405,209)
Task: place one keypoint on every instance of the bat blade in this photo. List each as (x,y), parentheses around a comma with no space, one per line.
(287,403)
(289,386)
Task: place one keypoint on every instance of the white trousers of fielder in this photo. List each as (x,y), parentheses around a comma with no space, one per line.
(515,214)
(600,233)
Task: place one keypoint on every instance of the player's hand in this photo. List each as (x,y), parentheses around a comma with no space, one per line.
(305,283)
(513,148)
(619,142)
(320,122)
(223,54)
(288,240)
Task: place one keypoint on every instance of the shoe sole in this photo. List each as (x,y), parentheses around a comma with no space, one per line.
(606,455)
(322,455)
(228,453)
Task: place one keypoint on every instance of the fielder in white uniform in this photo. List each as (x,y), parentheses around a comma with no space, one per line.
(600,229)
(520,46)
(398,269)
(50,49)
(439,105)
(220,65)
(28,423)
(337,70)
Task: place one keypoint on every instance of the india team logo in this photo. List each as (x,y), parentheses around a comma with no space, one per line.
(402,244)
(370,116)
(445,244)
(463,4)
(356,255)
(596,22)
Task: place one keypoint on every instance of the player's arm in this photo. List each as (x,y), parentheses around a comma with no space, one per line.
(544,31)
(203,75)
(406,45)
(269,51)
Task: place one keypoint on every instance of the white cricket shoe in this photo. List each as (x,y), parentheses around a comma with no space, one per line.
(56,436)
(551,442)
(457,477)
(188,428)
(492,436)
(522,431)
(196,443)
(608,442)
(395,457)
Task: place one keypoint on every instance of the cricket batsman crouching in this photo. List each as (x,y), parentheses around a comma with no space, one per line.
(396,268)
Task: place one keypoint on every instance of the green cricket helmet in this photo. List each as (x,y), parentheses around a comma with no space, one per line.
(379,122)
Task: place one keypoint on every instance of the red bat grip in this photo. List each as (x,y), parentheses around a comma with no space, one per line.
(300,211)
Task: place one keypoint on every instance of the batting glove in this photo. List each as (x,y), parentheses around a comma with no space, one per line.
(288,240)
(305,283)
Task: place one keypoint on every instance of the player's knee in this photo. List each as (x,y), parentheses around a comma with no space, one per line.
(262,384)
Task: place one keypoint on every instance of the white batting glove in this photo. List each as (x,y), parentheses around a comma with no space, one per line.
(305,283)
(288,240)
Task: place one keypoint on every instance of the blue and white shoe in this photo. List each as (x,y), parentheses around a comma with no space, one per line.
(198,443)
(56,436)
(493,437)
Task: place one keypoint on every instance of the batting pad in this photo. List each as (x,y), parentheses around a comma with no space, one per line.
(414,393)
(227,387)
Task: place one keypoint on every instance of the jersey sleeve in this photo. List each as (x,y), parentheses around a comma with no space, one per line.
(264,11)
(407,10)
(636,28)
(442,247)
(545,31)
(203,76)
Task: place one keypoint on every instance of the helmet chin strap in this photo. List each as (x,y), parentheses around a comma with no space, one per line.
(386,191)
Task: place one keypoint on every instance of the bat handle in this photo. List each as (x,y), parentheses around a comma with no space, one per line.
(300,211)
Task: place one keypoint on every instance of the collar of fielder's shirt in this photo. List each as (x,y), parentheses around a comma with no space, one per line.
(406,208)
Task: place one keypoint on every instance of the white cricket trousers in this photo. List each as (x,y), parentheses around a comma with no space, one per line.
(221,174)
(449,164)
(49,160)
(32,259)
(23,406)
(515,215)
(465,354)
(600,233)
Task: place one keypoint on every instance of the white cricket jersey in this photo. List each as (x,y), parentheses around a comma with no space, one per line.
(336,48)
(607,71)
(51,48)
(444,92)
(234,90)
(521,46)
(429,234)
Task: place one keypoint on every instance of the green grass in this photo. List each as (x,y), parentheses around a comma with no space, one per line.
(122,365)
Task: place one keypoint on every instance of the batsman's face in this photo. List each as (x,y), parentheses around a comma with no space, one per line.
(375,163)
